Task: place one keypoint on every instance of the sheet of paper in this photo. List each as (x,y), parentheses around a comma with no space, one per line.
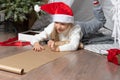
(28,60)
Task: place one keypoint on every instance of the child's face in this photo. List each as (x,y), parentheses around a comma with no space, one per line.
(61,27)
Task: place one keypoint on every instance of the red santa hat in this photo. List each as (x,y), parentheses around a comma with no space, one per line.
(59,11)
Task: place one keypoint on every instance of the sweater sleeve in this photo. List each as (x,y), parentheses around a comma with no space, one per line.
(44,34)
(74,39)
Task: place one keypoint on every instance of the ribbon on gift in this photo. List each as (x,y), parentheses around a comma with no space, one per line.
(14,42)
(114,56)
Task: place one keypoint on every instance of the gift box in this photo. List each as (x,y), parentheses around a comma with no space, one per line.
(114,56)
(27,35)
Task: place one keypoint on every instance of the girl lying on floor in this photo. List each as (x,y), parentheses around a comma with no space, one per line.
(64,34)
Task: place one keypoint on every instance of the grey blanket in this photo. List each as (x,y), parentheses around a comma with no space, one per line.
(97,38)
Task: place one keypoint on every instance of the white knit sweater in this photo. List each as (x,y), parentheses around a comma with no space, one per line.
(73,37)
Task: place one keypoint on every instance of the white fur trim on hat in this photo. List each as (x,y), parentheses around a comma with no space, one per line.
(37,8)
(63,18)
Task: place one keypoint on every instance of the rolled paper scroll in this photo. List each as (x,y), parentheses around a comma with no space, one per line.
(11,69)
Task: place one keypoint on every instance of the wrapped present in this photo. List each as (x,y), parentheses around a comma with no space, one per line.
(114,56)
(27,35)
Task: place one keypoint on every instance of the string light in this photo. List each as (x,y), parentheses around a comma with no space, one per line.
(116,19)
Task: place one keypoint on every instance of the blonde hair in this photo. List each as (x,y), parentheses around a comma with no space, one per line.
(54,35)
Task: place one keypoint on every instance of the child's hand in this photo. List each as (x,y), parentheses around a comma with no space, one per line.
(51,43)
(37,47)
(56,49)
(52,46)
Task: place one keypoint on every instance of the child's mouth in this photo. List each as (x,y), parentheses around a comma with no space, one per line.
(60,30)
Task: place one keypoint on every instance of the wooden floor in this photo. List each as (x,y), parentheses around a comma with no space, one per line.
(78,65)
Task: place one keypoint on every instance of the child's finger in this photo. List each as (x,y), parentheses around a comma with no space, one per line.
(42,47)
(49,43)
(52,45)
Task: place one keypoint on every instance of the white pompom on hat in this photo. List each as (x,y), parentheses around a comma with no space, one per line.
(37,8)
(60,11)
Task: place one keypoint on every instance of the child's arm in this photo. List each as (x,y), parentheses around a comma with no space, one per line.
(52,45)
(55,45)
(74,40)
(43,35)
(60,43)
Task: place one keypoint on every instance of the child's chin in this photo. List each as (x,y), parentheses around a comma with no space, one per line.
(59,32)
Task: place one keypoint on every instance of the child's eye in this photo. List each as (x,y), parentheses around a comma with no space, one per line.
(63,24)
(56,22)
